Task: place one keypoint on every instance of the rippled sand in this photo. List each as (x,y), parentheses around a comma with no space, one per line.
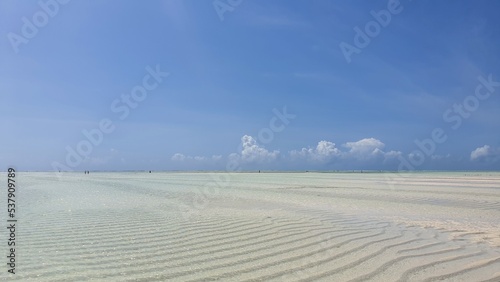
(257,227)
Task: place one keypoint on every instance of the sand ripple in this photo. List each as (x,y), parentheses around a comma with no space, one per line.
(269,227)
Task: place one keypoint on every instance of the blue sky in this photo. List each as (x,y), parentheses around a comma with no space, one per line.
(233,68)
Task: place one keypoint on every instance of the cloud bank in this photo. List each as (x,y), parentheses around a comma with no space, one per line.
(485,154)
(364,152)
(178,157)
(325,151)
(251,152)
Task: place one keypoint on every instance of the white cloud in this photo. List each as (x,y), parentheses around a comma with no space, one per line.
(252,152)
(368,149)
(324,151)
(485,153)
(365,152)
(217,157)
(440,157)
(393,154)
(233,157)
(178,157)
(392,157)
(480,152)
(365,147)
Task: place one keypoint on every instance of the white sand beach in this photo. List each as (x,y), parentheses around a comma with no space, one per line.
(137,226)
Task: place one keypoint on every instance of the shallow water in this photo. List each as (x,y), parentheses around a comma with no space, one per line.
(250,226)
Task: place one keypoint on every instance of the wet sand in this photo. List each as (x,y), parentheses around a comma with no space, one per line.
(258,227)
